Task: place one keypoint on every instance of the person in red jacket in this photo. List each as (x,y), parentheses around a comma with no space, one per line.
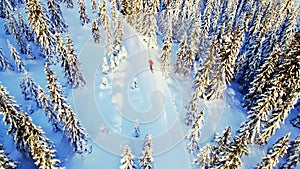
(151,64)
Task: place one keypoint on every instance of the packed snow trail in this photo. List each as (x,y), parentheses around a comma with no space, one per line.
(108,115)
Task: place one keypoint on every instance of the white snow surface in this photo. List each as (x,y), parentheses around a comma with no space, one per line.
(108,114)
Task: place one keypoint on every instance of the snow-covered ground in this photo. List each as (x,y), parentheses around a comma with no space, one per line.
(109,113)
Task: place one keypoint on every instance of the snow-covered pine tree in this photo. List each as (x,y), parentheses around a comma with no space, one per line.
(146,160)
(4,63)
(220,152)
(181,54)
(148,24)
(296,121)
(102,15)
(188,62)
(94,6)
(127,161)
(28,137)
(178,26)
(68,3)
(15,30)
(194,133)
(2,9)
(95,32)
(29,89)
(259,83)
(237,149)
(112,64)
(73,74)
(166,55)
(23,26)
(118,33)
(137,128)
(5,161)
(126,7)
(83,16)
(72,128)
(214,17)
(105,67)
(56,16)
(29,52)
(37,20)
(15,55)
(136,10)
(293,157)
(6,29)
(287,75)
(48,109)
(279,149)
(203,159)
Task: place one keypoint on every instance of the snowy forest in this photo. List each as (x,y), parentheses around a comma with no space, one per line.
(76,90)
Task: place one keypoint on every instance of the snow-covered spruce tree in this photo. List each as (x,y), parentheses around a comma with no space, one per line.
(181,55)
(73,73)
(83,16)
(95,32)
(48,109)
(105,67)
(126,7)
(127,161)
(188,62)
(102,15)
(288,27)
(179,26)
(214,17)
(287,75)
(296,121)
(203,76)
(220,152)
(29,52)
(279,149)
(56,16)
(237,149)
(146,160)
(5,161)
(264,72)
(4,63)
(29,88)
(68,3)
(2,9)
(136,124)
(118,34)
(148,24)
(203,159)
(15,55)
(26,32)
(194,133)
(37,20)
(136,13)
(14,28)
(94,6)
(166,55)
(72,128)
(28,137)
(293,157)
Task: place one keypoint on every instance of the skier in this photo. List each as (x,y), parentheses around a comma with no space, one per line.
(151,64)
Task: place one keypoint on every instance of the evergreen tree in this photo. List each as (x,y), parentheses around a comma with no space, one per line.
(148,24)
(74,75)
(15,30)
(146,160)
(48,109)
(203,159)
(24,29)
(194,133)
(69,3)
(181,54)
(136,126)
(279,149)
(41,27)
(127,160)
(6,29)
(220,152)
(84,18)
(4,64)
(5,161)
(72,128)
(56,16)
(95,32)
(94,6)
(28,137)
(105,67)
(118,33)
(167,49)
(29,88)
(29,52)
(15,55)
(293,156)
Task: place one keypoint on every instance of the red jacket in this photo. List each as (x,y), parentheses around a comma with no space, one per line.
(151,62)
